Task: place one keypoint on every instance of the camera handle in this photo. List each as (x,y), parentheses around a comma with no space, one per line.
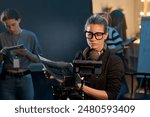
(80,79)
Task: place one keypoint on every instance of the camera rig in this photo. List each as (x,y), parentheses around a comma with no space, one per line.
(67,74)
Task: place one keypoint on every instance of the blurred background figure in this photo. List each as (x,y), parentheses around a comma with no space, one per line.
(119,22)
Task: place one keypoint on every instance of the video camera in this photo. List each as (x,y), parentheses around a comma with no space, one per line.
(83,68)
(67,73)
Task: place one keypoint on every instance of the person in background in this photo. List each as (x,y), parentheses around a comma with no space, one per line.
(15,79)
(107,84)
(119,22)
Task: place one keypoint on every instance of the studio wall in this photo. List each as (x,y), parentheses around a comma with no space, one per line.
(59,24)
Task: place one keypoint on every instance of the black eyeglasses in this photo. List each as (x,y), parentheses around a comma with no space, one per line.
(98,35)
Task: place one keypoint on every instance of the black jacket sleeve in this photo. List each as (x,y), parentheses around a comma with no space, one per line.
(115,72)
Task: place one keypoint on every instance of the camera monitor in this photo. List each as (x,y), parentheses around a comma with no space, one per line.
(87,67)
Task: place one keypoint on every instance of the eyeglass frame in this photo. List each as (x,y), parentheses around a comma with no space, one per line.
(94,34)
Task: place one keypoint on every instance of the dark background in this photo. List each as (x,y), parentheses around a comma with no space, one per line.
(59,26)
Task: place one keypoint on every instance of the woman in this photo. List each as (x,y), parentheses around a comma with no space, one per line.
(107,84)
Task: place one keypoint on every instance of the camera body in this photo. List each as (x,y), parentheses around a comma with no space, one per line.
(84,68)
(87,67)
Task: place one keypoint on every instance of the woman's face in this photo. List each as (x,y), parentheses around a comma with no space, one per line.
(96,36)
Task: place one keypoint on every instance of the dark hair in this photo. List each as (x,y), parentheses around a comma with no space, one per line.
(10,14)
(96,19)
(117,16)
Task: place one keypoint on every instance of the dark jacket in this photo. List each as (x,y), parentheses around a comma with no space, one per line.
(112,70)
